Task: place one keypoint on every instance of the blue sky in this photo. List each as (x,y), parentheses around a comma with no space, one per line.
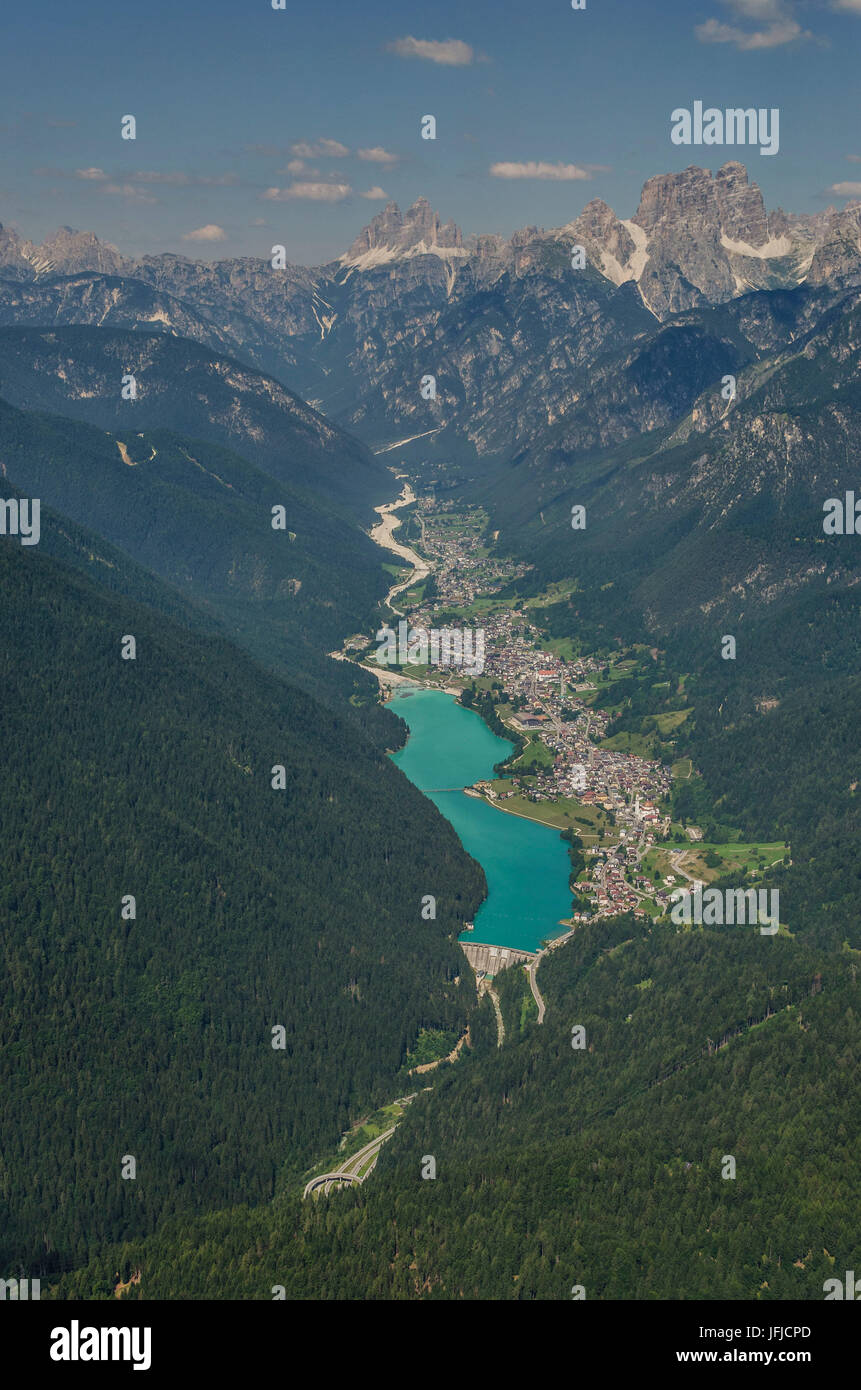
(257,126)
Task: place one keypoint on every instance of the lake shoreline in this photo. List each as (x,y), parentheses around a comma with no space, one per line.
(526,867)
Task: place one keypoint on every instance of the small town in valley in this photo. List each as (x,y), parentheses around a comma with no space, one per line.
(613,799)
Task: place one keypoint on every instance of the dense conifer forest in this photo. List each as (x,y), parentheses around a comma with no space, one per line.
(152,1036)
(601,1167)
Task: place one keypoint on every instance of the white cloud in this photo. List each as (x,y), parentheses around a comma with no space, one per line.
(757,9)
(787,31)
(152,176)
(854,158)
(777,15)
(452,53)
(538,169)
(311,192)
(846,190)
(377,155)
(319,149)
(847,6)
(176,179)
(375,194)
(128,190)
(208,233)
(260,222)
(312,175)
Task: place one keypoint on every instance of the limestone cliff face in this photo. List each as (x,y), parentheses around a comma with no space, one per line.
(13,262)
(394,231)
(710,239)
(837,259)
(740,206)
(65,253)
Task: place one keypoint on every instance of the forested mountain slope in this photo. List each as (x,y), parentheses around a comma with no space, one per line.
(83,373)
(255,907)
(600,1167)
(201,517)
(720,512)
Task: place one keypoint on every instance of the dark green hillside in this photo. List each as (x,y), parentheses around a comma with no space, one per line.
(200,517)
(182,386)
(255,907)
(600,1167)
(720,513)
(110,568)
(775,735)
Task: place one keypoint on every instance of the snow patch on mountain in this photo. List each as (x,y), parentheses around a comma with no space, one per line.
(775,246)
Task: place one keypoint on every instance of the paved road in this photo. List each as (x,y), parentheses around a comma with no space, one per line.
(500,1026)
(676,857)
(350,1170)
(532,969)
(533,985)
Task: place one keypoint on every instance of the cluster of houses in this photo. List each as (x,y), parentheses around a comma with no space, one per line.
(614,882)
(607,887)
(544,690)
(622,783)
(459,569)
(524,669)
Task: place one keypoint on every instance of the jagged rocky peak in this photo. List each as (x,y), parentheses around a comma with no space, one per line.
(604,236)
(685,201)
(741,205)
(11,249)
(709,238)
(393,233)
(383,231)
(66,252)
(421,223)
(697,200)
(8,236)
(837,259)
(598,218)
(69,239)
(525,236)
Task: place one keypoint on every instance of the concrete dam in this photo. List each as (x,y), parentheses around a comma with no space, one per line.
(489,960)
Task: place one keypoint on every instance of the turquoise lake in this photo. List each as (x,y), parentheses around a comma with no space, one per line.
(526,864)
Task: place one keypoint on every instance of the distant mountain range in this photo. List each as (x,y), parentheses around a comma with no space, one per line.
(351,335)
(543,372)
(695,238)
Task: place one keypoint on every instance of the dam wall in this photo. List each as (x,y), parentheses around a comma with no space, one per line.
(489,960)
